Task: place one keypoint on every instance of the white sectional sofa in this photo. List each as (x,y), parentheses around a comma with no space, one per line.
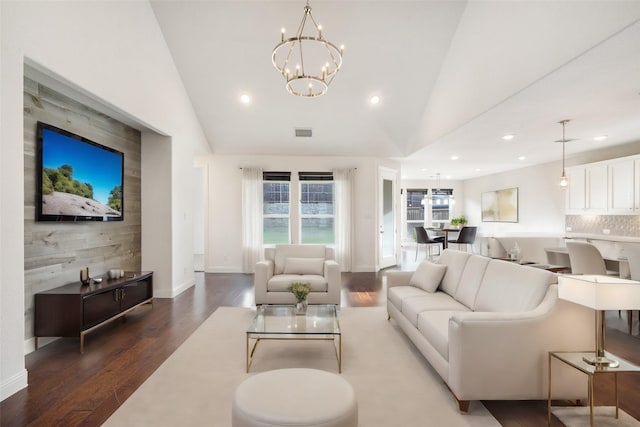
(486,326)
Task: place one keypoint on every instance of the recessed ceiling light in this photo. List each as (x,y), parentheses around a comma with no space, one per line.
(455,157)
(522,158)
(423,169)
(600,137)
(375,99)
(508,137)
(478,169)
(245,99)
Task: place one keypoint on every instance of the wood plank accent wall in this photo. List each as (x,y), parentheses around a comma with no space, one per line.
(54,252)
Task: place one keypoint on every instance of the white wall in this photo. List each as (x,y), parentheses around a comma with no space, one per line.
(199,198)
(224,210)
(540,201)
(114,53)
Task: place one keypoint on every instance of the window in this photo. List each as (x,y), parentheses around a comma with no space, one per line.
(317,207)
(275,207)
(416,199)
(440,205)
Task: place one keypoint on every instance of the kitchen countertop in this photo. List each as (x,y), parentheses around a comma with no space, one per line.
(606,237)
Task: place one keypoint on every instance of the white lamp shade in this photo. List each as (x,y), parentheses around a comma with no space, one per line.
(600,292)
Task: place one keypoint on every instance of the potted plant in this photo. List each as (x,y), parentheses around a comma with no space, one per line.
(459,221)
(300,291)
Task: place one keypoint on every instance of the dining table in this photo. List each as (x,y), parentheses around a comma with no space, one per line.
(446,231)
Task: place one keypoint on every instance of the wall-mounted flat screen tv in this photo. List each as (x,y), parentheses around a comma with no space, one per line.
(78,179)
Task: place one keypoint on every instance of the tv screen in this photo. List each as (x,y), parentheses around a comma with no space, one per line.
(78,179)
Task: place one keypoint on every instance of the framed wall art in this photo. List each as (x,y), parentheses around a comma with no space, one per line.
(500,205)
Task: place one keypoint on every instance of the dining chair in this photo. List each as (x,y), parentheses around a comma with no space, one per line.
(427,237)
(467,236)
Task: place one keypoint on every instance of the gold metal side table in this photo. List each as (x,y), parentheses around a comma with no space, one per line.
(575,359)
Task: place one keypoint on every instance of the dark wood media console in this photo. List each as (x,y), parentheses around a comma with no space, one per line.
(74,310)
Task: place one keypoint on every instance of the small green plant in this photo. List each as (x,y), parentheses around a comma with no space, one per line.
(459,220)
(299,290)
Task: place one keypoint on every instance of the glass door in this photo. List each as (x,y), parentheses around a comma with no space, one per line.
(387,218)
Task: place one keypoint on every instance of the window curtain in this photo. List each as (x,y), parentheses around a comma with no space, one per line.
(251,218)
(343,182)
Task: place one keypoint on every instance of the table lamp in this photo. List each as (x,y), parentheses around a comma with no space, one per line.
(600,293)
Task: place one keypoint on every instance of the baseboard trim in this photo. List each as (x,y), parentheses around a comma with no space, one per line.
(364,269)
(355,269)
(174,292)
(232,269)
(30,344)
(13,384)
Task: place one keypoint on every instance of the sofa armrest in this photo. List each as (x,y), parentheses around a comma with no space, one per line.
(263,272)
(398,278)
(510,350)
(334,280)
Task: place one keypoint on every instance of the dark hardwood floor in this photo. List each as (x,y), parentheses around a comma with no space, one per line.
(69,389)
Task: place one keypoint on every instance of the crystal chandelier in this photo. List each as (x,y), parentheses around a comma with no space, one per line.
(564,182)
(307,61)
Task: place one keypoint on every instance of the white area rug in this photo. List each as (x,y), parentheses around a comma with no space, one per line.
(604,416)
(394,385)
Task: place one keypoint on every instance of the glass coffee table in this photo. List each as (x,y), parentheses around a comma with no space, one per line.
(279,322)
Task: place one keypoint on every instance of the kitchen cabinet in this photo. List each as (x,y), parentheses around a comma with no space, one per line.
(597,187)
(622,186)
(576,190)
(610,187)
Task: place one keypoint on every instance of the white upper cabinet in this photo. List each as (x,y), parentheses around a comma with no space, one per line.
(621,186)
(576,190)
(597,185)
(607,187)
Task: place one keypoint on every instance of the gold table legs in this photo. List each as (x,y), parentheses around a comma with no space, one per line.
(250,350)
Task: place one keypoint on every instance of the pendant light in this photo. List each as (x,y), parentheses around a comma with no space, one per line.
(564,182)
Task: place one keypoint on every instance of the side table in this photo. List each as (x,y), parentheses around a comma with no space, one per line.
(575,360)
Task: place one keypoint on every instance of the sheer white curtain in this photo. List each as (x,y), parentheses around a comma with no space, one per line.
(251,218)
(343,181)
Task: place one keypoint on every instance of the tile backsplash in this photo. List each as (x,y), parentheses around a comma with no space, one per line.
(618,225)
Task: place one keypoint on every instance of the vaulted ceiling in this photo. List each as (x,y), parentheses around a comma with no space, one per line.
(453,76)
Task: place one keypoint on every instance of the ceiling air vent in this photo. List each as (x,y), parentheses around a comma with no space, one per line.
(304,133)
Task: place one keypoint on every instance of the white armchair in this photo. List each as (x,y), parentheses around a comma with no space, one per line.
(284,264)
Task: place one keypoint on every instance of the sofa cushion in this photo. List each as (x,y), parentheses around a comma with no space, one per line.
(304,266)
(282,252)
(434,326)
(428,276)
(455,262)
(470,280)
(510,287)
(281,282)
(397,294)
(413,307)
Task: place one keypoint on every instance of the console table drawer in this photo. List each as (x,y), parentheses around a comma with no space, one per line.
(100,307)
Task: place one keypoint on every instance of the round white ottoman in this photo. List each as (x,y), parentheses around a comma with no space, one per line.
(295,397)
